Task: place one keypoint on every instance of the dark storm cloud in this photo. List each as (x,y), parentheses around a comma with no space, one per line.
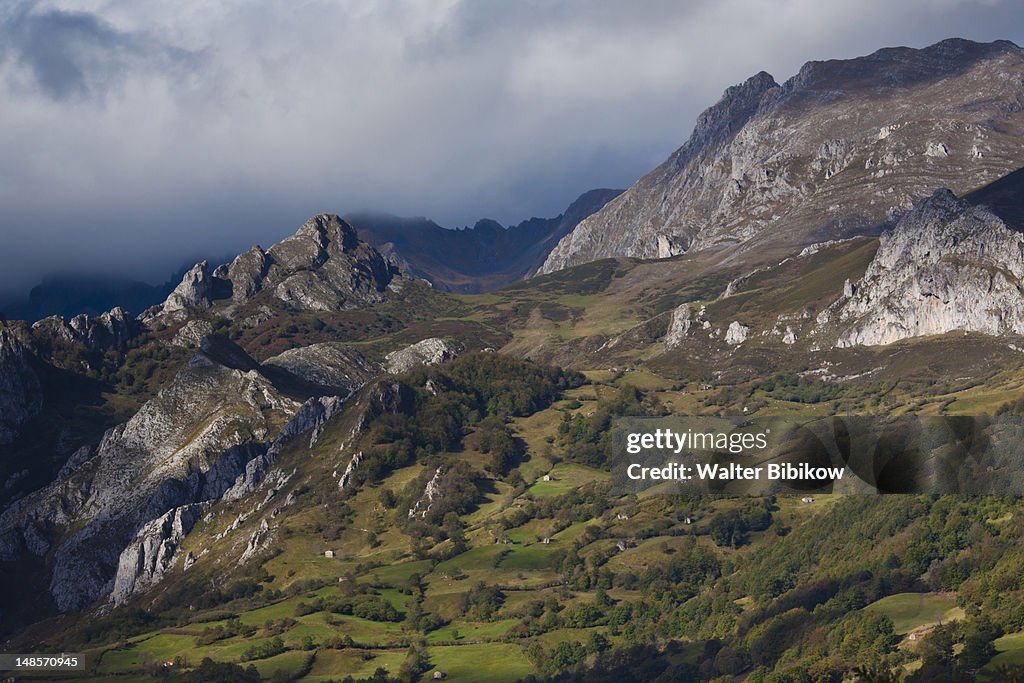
(72,53)
(136,134)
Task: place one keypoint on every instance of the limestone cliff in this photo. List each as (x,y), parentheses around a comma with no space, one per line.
(947,265)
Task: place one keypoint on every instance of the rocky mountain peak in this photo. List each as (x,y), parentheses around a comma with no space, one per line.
(323,266)
(737,104)
(313,239)
(843,148)
(194,292)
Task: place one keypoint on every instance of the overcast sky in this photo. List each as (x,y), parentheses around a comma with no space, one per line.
(136,135)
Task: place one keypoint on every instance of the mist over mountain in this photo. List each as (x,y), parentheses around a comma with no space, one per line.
(69,295)
(478,259)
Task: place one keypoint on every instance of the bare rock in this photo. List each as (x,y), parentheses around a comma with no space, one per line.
(431,351)
(678,326)
(737,333)
(817,158)
(153,551)
(946,266)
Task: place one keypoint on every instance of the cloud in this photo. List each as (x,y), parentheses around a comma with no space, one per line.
(138,134)
(78,54)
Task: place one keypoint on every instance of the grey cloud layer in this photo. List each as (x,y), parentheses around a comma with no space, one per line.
(136,134)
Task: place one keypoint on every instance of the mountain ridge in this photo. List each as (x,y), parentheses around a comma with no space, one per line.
(770,168)
(475,259)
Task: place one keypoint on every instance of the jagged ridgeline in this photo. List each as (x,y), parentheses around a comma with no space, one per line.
(840,149)
(311,461)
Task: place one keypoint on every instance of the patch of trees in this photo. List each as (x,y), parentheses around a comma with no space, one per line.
(210,671)
(506,449)
(483,601)
(268,648)
(798,389)
(372,607)
(588,439)
(234,627)
(731,529)
(443,402)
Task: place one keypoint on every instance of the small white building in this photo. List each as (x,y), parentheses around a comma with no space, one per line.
(622,516)
(328,553)
(547,540)
(806,499)
(546,477)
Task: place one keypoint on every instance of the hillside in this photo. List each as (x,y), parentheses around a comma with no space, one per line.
(251,452)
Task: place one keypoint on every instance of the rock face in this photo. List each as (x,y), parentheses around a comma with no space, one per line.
(322,267)
(246,273)
(678,326)
(331,366)
(21,397)
(186,445)
(840,149)
(110,330)
(195,290)
(946,266)
(192,333)
(143,563)
(430,351)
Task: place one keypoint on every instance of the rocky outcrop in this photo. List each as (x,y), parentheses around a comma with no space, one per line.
(324,266)
(423,504)
(678,326)
(432,351)
(946,266)
(194,291)
(332,366)
(192,333)
(737,333)
(21,396)
(311,417)
(153,551)
(842,148)
(188,444)
(247,272)
(110,330)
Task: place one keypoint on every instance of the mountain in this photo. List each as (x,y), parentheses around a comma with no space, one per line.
(305,464)
(478,259)
(842,148)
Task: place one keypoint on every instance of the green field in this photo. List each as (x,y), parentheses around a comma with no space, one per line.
(1010,652)
(495,663)
(566,477)
(910,611)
